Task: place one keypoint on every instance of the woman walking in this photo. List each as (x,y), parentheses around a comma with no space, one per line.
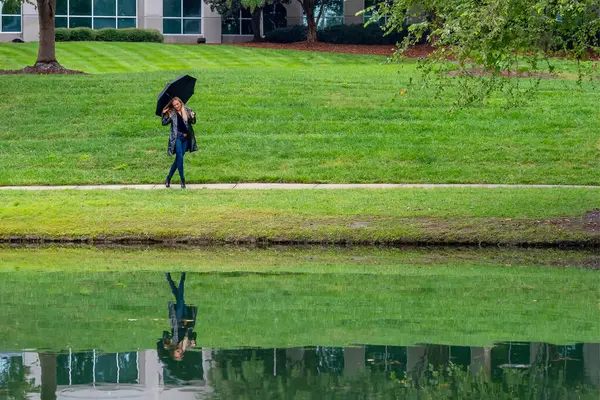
(182,137)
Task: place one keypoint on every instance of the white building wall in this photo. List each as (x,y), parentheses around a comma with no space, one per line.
(294,13)
(351,7)
(151,12)
(211,22)
(149,16)
(9,37)
(31,26)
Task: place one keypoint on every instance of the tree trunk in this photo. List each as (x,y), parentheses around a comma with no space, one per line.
(256,25)
(311,36)
(46,51)
(48,365)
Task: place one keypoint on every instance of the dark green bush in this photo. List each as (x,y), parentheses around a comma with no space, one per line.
(82,35)
(108,35)
(337,34)
(140,35)
(62,34)
(290,34)
(358,34)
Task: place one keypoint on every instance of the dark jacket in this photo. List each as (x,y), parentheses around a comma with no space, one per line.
(192,146)
(184,326)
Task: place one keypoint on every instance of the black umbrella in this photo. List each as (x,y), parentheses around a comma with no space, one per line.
(182,87)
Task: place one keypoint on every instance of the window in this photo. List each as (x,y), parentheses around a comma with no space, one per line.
(11,17)
(182,17)
(333,13)
(240,23)
(96,14)
(274,17)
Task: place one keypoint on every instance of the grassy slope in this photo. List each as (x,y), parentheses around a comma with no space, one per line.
(409,215)
(300,297)
(280,116)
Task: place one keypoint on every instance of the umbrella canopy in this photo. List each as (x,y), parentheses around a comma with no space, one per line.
(182,87)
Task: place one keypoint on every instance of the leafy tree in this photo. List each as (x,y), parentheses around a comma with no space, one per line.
(310,8)
(231,8)
(491,39)
(14,381)
(46,11)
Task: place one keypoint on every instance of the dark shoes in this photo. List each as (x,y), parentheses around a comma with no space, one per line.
(168,183)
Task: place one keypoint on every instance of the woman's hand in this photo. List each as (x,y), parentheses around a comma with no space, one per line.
(193,114)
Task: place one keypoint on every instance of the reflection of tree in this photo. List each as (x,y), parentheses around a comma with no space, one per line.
(330,360)
(251,377)
(433,356)
(14,383)
(449,382)
(48,365)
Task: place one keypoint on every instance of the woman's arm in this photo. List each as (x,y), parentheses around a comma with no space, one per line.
(192,116)
(166,119)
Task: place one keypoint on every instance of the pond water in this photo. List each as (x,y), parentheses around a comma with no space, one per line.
(301,324)
(502,370)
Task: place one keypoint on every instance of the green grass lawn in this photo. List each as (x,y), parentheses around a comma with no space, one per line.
(441,215)
(117,300)
(280,116)
(106,57)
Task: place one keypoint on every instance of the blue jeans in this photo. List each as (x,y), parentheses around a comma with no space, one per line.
(181,145)
(178,293)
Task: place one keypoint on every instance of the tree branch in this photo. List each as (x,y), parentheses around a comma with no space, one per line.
(320,13)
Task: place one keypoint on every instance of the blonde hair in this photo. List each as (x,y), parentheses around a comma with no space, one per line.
(169,109)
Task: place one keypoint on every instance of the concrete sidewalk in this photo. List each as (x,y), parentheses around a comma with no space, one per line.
(289,186)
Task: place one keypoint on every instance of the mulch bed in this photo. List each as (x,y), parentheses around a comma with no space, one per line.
(417,51)
(43,70)
(379,50)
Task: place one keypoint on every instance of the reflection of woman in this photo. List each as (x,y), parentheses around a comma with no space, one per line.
(182,319)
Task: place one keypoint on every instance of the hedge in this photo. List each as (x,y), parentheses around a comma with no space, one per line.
(108,35)
(290,34)
(337,34)
(358,34)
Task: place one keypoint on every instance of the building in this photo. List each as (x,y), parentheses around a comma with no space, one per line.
(181,21)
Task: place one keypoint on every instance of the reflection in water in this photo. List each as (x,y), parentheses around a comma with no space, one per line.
(523,370)
(177,369)
(181,366)
(173,348)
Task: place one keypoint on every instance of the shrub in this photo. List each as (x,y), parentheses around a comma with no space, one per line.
(140,35)
(62,34)
(358,34)
(290,34)
(108,35)
(82,35)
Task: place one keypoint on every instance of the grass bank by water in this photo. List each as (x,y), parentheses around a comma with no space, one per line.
(466,215)
(116,300)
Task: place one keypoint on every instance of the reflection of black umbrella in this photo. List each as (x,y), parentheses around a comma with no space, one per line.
(182,87)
